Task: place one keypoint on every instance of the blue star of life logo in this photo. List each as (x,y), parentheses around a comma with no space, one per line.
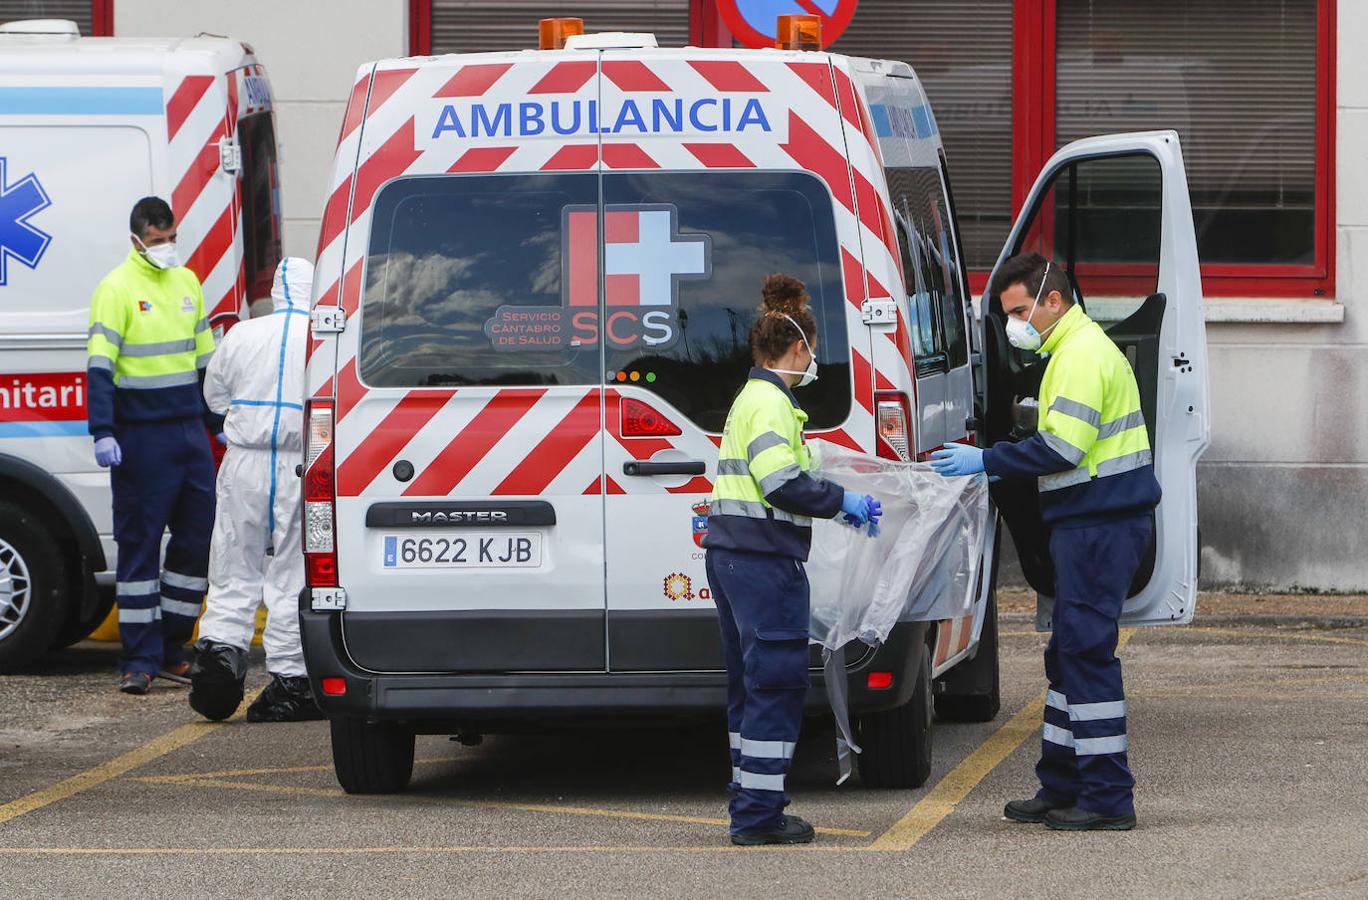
(18,203)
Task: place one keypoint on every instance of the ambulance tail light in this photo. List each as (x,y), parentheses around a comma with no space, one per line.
(320,520)
(893,417)
(643,420)
(799,33)
(554,32)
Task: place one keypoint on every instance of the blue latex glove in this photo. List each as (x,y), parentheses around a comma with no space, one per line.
(107,452)
(221,438)
(873,509)
(958,459)
(855,509)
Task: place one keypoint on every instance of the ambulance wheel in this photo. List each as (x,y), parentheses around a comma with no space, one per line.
(33,601)
(78,628)
(897,742)
(371,757)
(970,692)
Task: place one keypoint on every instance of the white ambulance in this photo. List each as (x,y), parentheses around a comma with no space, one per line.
(536,279)
(87,127)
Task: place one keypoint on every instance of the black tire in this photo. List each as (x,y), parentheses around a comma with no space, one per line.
(34,597)
(371,758)
(897,743)
(972,689)
(77,628)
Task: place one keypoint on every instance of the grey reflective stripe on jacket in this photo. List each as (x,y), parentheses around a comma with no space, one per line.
(764,442)
(775,480)
(1125,423)
(733,467)
(1080,411)
(1118,466)
(152,382)
(1073,454)
(160,348)
(753,510)
(107,333)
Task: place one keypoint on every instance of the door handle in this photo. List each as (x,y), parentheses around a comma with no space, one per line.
(671,467)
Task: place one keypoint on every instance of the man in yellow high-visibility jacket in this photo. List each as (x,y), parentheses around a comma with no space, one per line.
(149,345)
(1091,456)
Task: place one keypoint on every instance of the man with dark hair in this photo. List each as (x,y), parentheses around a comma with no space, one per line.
(149,345)
(1094,469)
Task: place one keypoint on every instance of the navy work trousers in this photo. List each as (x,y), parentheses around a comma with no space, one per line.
(762,607)
(166,480)
(1083,751)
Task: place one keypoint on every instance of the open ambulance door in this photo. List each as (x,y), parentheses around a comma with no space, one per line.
(1113,212)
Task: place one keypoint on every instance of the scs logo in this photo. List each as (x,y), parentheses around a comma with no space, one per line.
(644,259)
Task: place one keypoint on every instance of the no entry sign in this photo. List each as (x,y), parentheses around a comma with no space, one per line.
(753,22)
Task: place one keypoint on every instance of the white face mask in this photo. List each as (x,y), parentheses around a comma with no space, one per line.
(1020,332)
(808,375)
(163,256)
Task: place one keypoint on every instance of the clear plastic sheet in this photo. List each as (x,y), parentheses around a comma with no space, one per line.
(923,565)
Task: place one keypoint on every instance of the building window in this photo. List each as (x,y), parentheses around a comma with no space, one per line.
(95,18)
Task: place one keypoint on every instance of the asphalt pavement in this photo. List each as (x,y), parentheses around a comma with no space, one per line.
(1249,743)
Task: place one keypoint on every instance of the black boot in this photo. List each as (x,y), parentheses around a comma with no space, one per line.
(286,699)
(216,679)
(1075,819)
(1032,810)
(791,830)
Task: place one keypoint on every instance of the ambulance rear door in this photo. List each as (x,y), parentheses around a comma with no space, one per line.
(719,168)
(468,386)
(258,191)
(1113,213)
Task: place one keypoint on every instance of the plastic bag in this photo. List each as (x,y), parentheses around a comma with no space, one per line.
(923,565)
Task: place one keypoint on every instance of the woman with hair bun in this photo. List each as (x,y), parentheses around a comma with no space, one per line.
(759,532)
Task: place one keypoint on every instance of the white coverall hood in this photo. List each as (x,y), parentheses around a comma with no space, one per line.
(293,284)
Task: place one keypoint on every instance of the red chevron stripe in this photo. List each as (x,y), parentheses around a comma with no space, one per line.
(383,86)
(504,410)
(873,213)
(720,156)
(813,153)
(839,436)
(627,156)
(392,158)
(903,341)
(881,383)
(549,458)
(334,216)
(729,76)
(845,90)
(565,78)
(232,104)
(325,390)
(573,157)
(356,106)
(183,102)
(350,390)
(482,159)
(853,274)
(473,81)
(864,391)
(696,485)
(351,289)
(217,242)
(818,77)
(198,175)
(380,447)
(633,75)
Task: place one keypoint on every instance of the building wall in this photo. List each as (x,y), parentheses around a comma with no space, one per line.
(311,63)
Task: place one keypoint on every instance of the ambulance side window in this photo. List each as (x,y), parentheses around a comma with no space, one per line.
(260,203)
(935,282)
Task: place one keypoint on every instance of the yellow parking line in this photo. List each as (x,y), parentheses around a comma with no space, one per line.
(941,801)
(1287,635)
(125,762)
(358,851)
(191,780)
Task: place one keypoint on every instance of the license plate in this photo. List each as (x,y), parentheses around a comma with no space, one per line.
(458,550)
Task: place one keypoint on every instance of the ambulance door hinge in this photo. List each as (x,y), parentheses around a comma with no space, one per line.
(328,320)
(230,156)
(328,598)
(879,311)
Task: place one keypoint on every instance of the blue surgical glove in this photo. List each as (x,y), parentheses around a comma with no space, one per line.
(873,509)
(221,438)
(958,459)
(107,452)
(855,509)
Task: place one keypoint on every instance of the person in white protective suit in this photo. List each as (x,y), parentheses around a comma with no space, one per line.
(257,380)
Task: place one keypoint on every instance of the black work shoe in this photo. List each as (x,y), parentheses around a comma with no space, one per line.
(286,699)
(791,830)
(1032,810)
(135,683)
(216,679)
(1075,819)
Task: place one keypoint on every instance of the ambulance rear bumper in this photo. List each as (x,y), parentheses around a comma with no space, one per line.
(439,702)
